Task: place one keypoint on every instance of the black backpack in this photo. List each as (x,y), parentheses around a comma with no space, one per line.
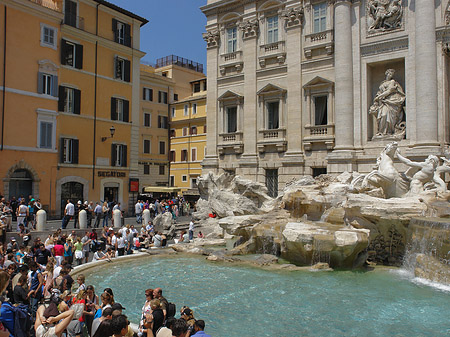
(171,310)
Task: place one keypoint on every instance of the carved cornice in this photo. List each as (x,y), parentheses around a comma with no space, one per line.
(294,16)
(250,28)
(384,46)
(212,38)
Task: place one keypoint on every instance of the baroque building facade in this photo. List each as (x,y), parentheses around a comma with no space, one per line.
(311,86)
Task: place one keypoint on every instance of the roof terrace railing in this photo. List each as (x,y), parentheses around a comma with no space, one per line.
(179,61)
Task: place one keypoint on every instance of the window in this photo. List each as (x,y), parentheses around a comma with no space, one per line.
(162,170)
(70,13)
(163,122)
(47,84)
(175,97)
(194,108)
(162,97)
(122,32)
(146,169)
(231,119)
(272,115)
(172,156)
(48,36)
(120,110)
(193,154)
(197,87)
(172,113)
(46,135)
(204,128)
(146,146)
(185,131)
(162,147)
(118,155)
(184,155)
(272,29)
(122,69)
(272,182)
(186,110)
(320,113)
(71,54)
(148,94)
(69,100)
(231,40)
(193,130)
(172,133)
(172,181)
(69,151)
(320,17)
(184,178)
(317,171)
(193,182)
(147,119)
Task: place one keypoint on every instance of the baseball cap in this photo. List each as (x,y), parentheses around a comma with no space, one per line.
(117,306)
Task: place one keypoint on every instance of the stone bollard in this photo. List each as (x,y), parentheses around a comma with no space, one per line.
(41,220)
(117,215)
(82,219)
(145,217)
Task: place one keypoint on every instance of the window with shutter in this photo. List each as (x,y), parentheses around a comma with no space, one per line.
(146,146)
(148,94)
(172,156)
(122,32)
(69,150)
(147,120)
(162,169)
(146,169)
(193,130)
(162,147)
(193,154)
(185,131)
(46,132)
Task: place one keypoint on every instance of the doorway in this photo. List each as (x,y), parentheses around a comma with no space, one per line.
(73,191)
(21,184)
(111,194)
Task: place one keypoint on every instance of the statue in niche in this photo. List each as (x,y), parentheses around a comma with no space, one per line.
(388,108)
(384,15)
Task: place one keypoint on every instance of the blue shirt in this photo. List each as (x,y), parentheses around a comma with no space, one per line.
(201,334)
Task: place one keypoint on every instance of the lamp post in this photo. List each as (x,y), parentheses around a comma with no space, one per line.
(112,130)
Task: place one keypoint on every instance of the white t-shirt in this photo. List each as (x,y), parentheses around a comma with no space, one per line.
(70,209)
(138,208)
(191,225)
(121,242)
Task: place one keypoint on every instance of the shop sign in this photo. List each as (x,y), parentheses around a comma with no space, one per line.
(115,174)
(134,185)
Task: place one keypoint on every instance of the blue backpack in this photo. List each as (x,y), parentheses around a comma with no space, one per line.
(22,319)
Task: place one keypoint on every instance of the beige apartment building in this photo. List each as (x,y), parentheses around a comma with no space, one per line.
(311,86)
(161,85)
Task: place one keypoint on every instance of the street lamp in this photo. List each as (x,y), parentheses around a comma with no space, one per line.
(112,130)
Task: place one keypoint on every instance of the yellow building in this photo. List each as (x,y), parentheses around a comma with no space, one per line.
(29,74)
(161,85)
(72,77)
(188,137)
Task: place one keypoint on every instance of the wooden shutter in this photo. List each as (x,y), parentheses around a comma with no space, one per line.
(159,96)
(75,148)
(40,83)
(113,109)
(143,94)
(63,52)
(127,35)
(126,111)
(62,98)
(114,28)
(151,95)
(113,154)
(76,101)
(54,86)
(126,70)
(61,150)
(124,156)
(79,56)
(166,122)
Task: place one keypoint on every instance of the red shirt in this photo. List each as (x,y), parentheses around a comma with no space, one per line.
(59,250)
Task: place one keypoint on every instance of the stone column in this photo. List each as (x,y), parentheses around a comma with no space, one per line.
(344,75)
(210,162)
(250,128)
(426,74)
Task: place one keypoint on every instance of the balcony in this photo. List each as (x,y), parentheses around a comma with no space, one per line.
(321,40)
(74,20)
(319,134)
(51,4)
(231,60)
(274,50)
(272,138)
(230,142)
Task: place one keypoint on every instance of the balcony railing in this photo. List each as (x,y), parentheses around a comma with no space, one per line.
(231,137)
(316,134)
(272,138)
(273,134)
(318,40)
(272,48)
(51,4)
(230,143)
(320,130)
(74,20)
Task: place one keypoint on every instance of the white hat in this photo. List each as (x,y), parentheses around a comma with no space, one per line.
(79,202)
(86,202)
(164,332)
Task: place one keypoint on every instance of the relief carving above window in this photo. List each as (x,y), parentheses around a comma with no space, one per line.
(384,15)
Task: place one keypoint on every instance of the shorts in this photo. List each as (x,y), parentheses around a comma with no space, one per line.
(43,331)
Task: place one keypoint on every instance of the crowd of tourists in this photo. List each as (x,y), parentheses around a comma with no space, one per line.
(37,283)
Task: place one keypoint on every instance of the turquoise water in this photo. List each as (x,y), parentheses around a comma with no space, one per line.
(246,301)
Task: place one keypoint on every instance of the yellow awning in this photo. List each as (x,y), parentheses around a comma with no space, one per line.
(161,189)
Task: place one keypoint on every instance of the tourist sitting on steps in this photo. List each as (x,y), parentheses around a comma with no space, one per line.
(199,327)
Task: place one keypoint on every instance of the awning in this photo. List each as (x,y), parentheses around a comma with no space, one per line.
(161,189)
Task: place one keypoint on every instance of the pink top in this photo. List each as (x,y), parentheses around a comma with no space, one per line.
(59,250)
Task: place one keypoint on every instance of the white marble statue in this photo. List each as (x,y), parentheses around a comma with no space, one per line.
(387,107)
(384,15)
(442,169)
(420,173)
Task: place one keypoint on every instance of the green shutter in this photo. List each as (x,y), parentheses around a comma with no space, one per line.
(124,156)
(75,148)
(40,83)
(79,56)
(76,101)
(126,111)
(61,98)
(126,70)
(113,109)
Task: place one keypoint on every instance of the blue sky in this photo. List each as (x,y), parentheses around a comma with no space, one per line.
(174,27)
